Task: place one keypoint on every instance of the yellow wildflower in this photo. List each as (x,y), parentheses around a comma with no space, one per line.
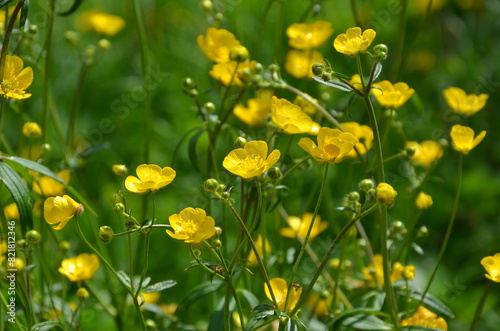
(426,152)
(363,133)
(425,317)
(60,210)
(492,266)
(259,244)
(257,110)
(3,250)
(191,225)
(352,42)
(251,160)
(168,309)
(151,178)
(11,212)
(409,272)
(423,201)
(299,63)
(47,186)
(217,44)
(224,72)
(309,35)
(280,290)
(356,82)
(81,267)
(15,79)
(100,22)
(374,273)
(307,107)
(385,194)
(149,298)
(32,130)
(299,226)
(290,118)
(333,145)
(466,104)
(462,138)
(392,96)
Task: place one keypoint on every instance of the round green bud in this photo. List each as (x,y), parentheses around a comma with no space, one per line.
(33,237)
(64,246)
(258,67)
(240,142)
(219,17)
(218,230)
(274,173)
(444,142)
(210,184)
(104,45)
(21,243)
(89,54)
(273,67)
(238,53)
(207,6)
(225,195)
(209,107)
(33,28)
(217,243)
(366,185)
(45,149)
(318,68)
(263,84)
(193,93)
(119,208)
(188,83)
(221,188)
(82,294)
(381,50)
(256,79)
(150,325)
(120,169)
(422,232)
(72,36)
(353,196)
(106,234)
(398,227)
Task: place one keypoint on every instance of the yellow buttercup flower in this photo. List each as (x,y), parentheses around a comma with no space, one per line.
(374,273)
(462,138)
(423,201)
(100,22)
(466,104)
(309,35)
(492,266)
(59,210)
(151,178)
(32,130)
(425,317)
(11,212)
(149,298)
(191,225)
(363,133)
(217,44)
(224,72)
(299,63)
(409,272)
(426,152)
(333,145)
(392,96)
(251,160)
(81,267)
(356,82)
(353,41)
(256,112)
(280,290)
(290,118)
(308,108)
(385,194)
(15,79)
(259,244)
(299,226)
(47,186)
(3,250)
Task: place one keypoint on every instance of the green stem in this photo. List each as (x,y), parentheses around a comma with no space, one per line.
(75,108)
(147,232)
(357,21)
(448,230)
(47,47)
(143,47)
(398,53)
(480,306)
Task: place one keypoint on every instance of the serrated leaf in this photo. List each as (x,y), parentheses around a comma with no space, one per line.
(20,194)
(335,84)
(199,292)
(159,286)
(71,9)
(24,14)
(378,70)
(193,157)
(4,2)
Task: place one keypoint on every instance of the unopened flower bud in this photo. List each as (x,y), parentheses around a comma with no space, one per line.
(240,142)
(72,36)
(33,237)
(120,170)
(106,234)
(273,67)
(104,45)
(398,227)
(225,195)
(422,231)
(89,54)
(409,272)
(366,185)
(45,149)
(193,93)
(385,194)
(207,6)
(353,196)
(64,246)
(32,130)
(220,188)
(19,265)
(423,201)
(274,173)
(21,244)
(218,230)
(381,50)
(150,325)
(210,184)
(219,17)
(188,83)
(209,107)
(216,243)
(238,53)
(82,294)
(79,209)
(318,68)
(119,208)
(324,295)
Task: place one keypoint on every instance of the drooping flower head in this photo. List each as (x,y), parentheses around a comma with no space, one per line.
(462,103)
(299,226)
(363,133)
(81,267)
(251,160)
(492,266)
(100,22)
(353,41)
(15,79)
(191,225)
(299,63)
(59,210)
(425,317)
(290,118)
(392,96)
(309,35)
(257,110)
(333,145)
(462,138)
(425,153)
(217,44)
(224,72)
(280,290)
(151,178)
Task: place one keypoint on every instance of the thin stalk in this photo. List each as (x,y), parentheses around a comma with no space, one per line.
(75,107)
(147,232)
(398,53)
(480,306)
(448,230)
(47,47)
(355,13)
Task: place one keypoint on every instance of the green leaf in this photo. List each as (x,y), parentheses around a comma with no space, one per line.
(430,301)
(249,296)
(258,317)
(46,326)
(349,104)
(346,209)
(4,2)
(20,194)
(199,292)
(335,84)
(263,307)
(419,250)
(291,325)
(418,328)
(159,286)
(124,278)
(193,157)
(378,70)
(34,166)
(366,322)
(71,9)
(24,14)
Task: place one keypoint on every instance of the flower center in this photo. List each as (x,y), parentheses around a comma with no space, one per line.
(6,85)
(188,228)
(252,162)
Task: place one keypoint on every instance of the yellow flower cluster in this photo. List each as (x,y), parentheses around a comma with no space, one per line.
(374,273)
